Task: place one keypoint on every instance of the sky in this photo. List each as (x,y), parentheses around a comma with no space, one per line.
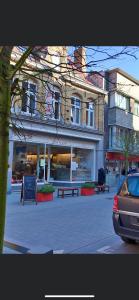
(128,63)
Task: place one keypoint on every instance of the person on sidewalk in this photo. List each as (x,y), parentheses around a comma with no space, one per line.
(101,178)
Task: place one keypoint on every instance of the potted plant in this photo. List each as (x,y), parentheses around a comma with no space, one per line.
(88,188)
(45,193)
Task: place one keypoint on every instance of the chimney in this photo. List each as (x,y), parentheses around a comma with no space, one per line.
(80,59)
(97,78)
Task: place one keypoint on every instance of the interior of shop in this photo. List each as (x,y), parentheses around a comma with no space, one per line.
(51,163)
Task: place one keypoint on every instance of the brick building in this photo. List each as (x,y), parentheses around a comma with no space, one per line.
(61,122)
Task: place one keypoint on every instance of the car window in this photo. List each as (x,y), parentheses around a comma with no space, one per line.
(133,186)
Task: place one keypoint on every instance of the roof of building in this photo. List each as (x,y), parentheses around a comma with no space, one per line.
(83,77)
(122,72)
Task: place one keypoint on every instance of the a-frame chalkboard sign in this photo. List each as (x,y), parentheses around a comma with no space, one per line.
(29,189)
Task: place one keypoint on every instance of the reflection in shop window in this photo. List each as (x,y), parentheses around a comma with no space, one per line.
(29,159)
(82,164)
(60,163)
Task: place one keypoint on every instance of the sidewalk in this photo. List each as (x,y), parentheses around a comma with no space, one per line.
(62,225)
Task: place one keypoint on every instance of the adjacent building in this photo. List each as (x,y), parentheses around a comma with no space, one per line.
(121,120)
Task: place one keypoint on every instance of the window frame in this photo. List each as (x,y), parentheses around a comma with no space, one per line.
(90,110)
(77,108)
(54,101)
(111,137)
(136,113)
(29,92)
(55,65)
(119,99)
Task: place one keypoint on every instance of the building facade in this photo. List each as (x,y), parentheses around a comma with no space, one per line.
(121,122)
(57,125)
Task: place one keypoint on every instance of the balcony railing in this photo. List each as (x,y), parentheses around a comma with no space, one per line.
(123,118)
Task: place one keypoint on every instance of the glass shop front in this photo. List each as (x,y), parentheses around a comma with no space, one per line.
(51,163)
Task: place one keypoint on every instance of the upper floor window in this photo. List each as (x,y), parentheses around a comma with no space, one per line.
(56,61)
(136,108)
(29,97)
(111,137)
(53,102)
(122,102)
(90,114)
(75,110)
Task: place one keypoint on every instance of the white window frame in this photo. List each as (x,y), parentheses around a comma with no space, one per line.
(53,101)
(90,110)
(121,101)
(29,92)
(137,108)
(75,98)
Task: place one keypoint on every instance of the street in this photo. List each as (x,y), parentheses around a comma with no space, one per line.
(75,225)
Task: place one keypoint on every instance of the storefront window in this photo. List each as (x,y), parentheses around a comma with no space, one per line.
(29,159)
(82,164)
(51,163)
(60,162)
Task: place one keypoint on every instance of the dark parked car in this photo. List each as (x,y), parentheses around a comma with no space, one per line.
(126,209)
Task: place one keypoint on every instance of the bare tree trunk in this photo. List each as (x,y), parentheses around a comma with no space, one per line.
(4,143)
(6,74)
(5,98)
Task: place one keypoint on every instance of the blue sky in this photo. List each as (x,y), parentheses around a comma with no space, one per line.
(127,63)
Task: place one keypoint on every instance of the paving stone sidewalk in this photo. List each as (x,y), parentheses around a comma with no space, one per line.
(64,225)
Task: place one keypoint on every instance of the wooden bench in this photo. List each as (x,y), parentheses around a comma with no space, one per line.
(61,192)
(102,188)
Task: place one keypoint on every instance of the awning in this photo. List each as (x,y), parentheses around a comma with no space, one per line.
(120,156)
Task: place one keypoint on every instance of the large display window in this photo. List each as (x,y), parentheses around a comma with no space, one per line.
(60,163)
(82,164)
(52,163)
(29,159)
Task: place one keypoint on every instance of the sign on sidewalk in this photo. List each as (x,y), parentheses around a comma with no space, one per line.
(29,189)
